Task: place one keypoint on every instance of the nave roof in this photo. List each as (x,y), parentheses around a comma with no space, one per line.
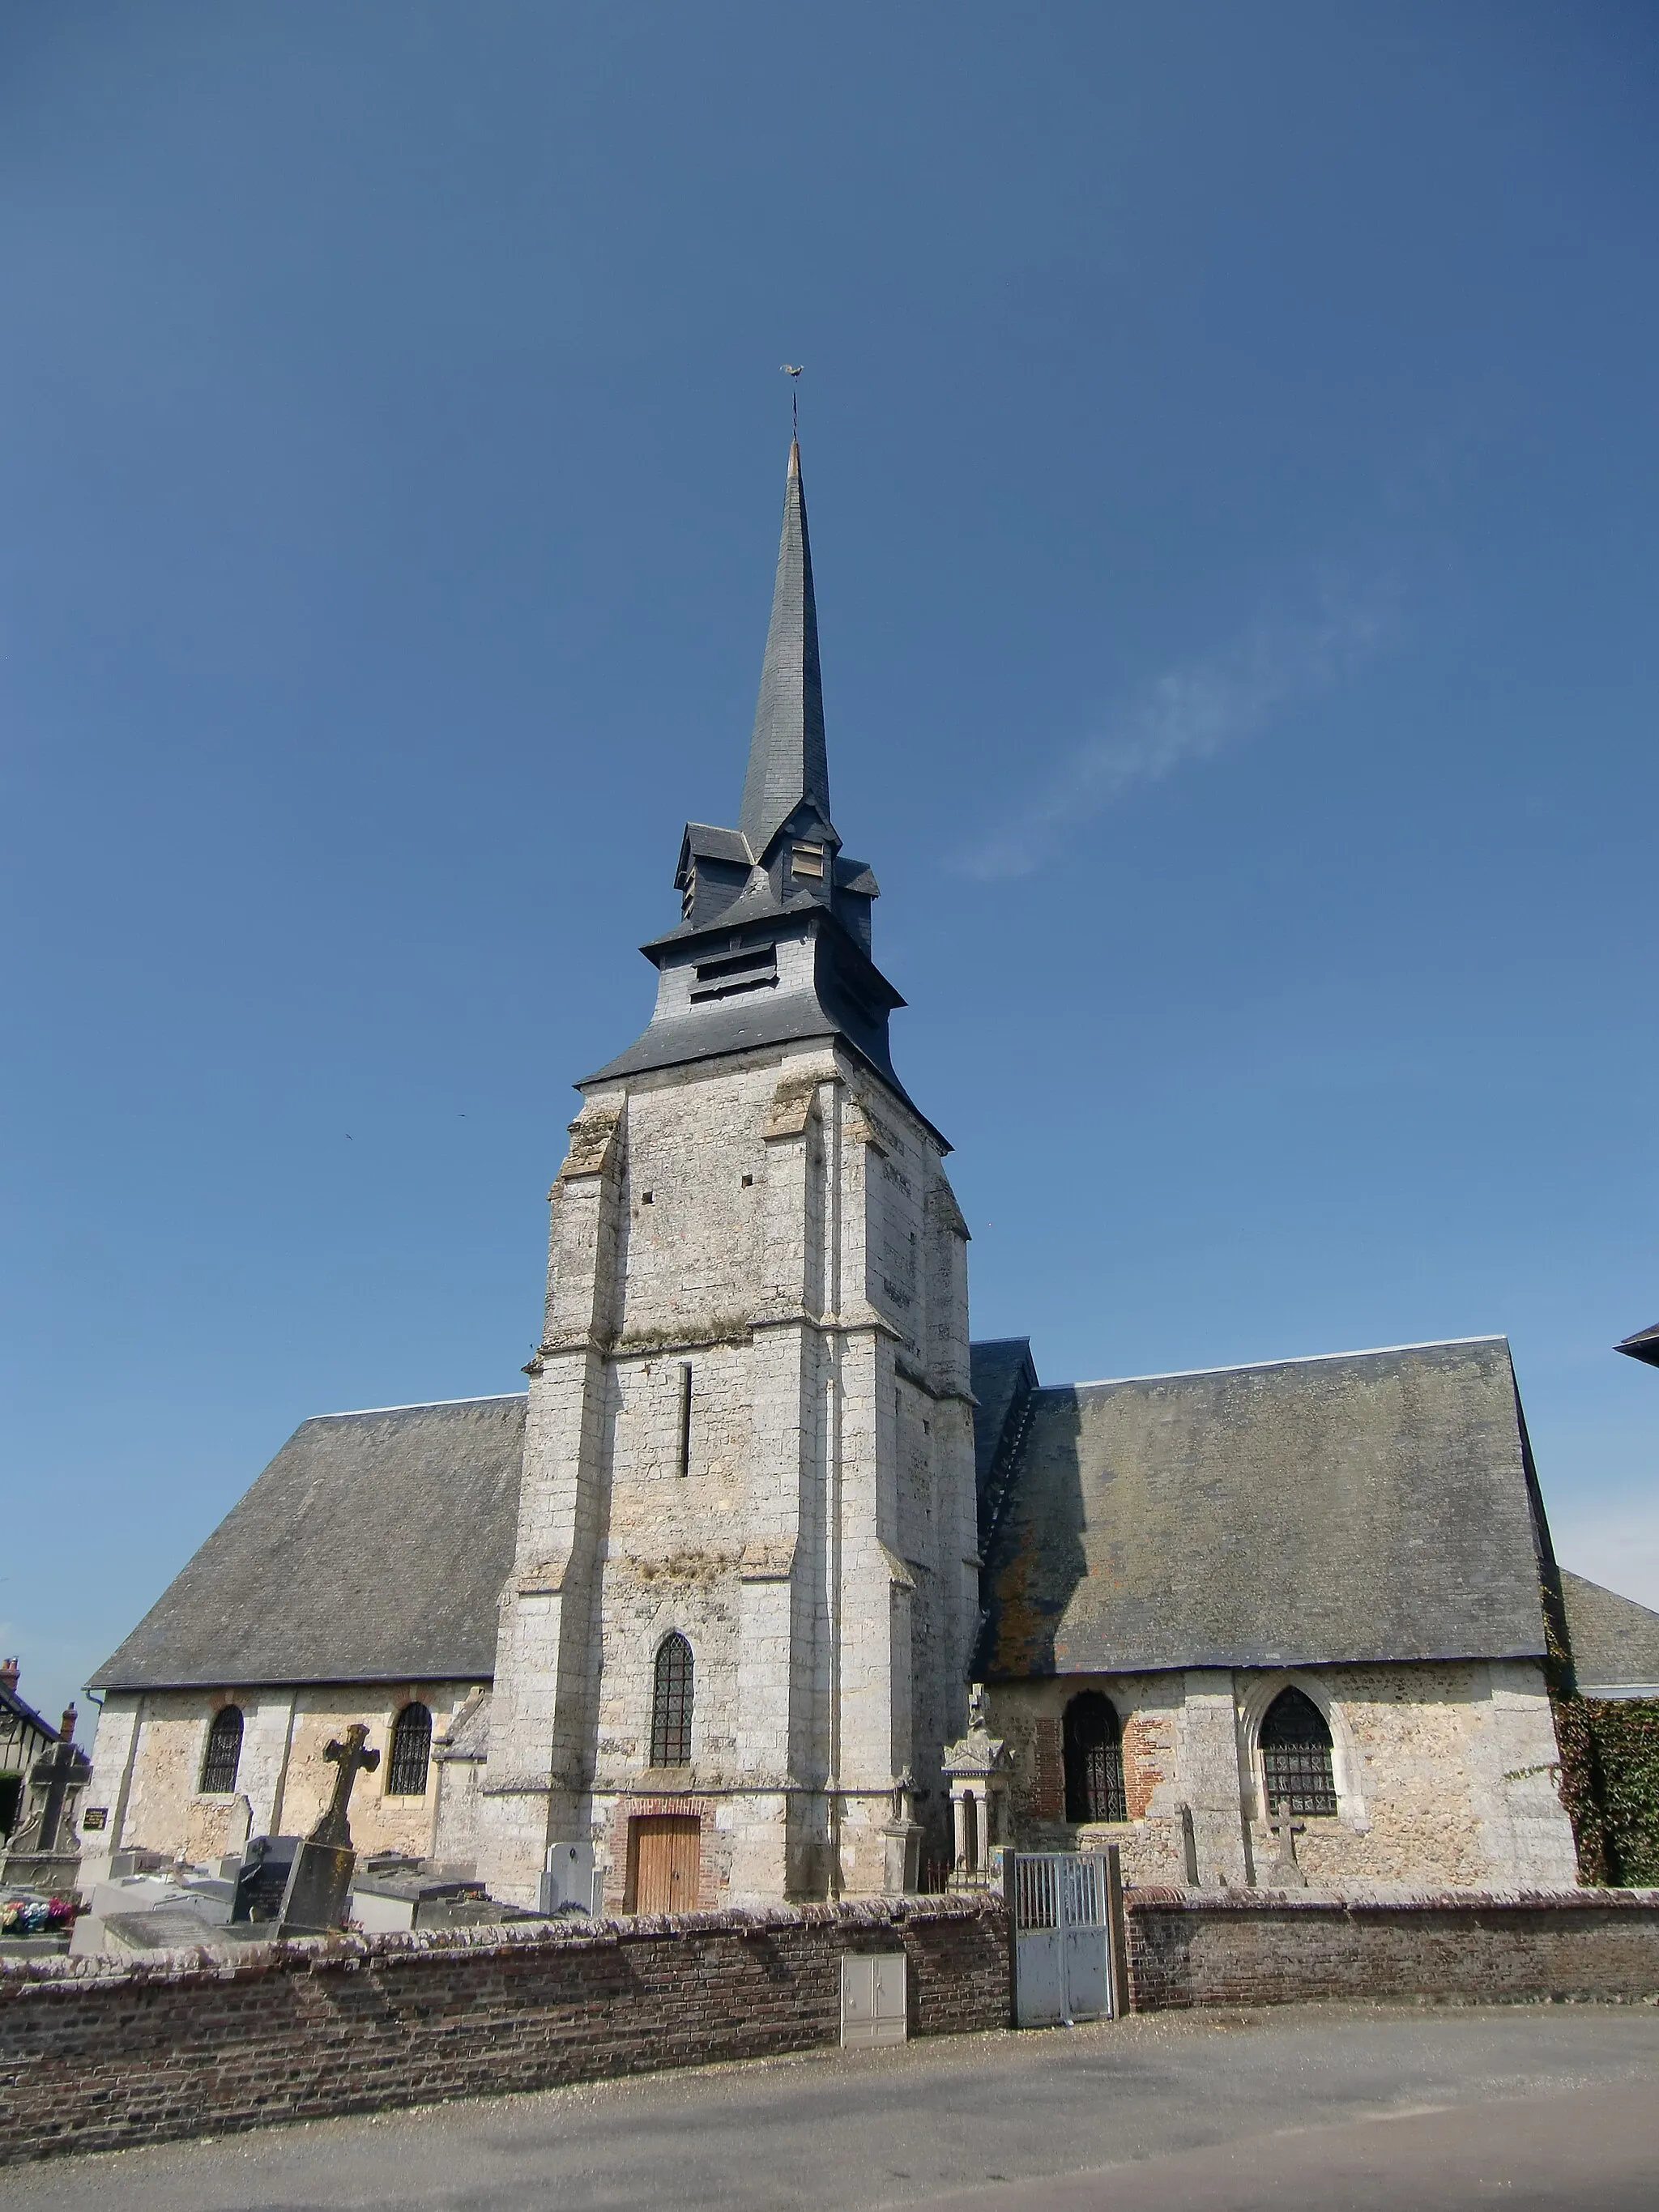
(1359,1506)
(371,1549)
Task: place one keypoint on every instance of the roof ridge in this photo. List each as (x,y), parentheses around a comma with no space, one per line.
(1293,1359)
(418,1405)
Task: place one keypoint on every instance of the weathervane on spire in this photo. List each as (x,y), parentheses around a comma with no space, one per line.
(791,369)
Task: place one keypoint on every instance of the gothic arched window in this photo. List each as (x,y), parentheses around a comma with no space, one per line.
(412,1748)
(670,1704)
(1094,1760)
(1296,1755)
(224,1753)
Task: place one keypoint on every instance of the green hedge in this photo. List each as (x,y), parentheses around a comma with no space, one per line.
(1625,1735)
(1610,1786)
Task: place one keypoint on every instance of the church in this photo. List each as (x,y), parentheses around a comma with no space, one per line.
(773,1584)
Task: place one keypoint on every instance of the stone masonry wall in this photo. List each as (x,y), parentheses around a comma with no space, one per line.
(1446,1773)
(1259,1948)
(95,2056)
(773,1234)
(282,1780)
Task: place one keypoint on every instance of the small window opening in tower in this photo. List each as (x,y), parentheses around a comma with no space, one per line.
(685,1418)
(808,860)
(670,1704)
(645,1197)
(749,1182)
(689,898)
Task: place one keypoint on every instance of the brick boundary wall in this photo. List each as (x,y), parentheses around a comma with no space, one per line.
(1291,1947)
(96,2054)
(99,2053)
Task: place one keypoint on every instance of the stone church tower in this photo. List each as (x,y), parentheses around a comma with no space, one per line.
(737,1627)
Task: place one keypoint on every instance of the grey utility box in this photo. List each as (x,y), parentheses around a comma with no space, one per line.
(874,1998)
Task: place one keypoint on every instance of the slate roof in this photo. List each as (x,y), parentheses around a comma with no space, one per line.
(1373,1505)
(1643,1345)
(1616,1642)
(818,1008)
(706,841)
(1002,1376)
(24,1716)
(372,1549)
(788,760)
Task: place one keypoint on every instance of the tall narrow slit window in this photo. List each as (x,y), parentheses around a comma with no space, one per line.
(1296,1755)
(1093,1742)
(224,1753)
(682,1440)
(670,1704)
(411,1749)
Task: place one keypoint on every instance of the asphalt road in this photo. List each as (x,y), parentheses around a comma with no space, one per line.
(1338,2106)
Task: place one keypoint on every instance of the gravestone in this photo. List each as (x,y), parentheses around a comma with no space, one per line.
(262,1878)
(1285,1873)
(314,1901)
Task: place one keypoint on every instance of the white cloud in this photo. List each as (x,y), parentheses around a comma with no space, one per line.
(1188,715)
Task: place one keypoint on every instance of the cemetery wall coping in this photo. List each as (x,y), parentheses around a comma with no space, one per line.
(346,1953)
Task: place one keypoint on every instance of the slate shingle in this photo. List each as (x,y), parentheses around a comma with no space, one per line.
(1370,1506)
(373,1548)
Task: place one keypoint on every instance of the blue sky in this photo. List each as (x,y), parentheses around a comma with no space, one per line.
(1231,437)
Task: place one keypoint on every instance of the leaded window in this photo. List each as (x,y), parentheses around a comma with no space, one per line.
(1094,1760)
(670,1704)
(1296,1755)
(224,1753)
(412,1748)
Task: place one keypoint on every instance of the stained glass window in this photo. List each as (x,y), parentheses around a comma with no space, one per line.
(412,1748)
(671,1705)
(1296,1755)
(224,1752)
(1094,1760)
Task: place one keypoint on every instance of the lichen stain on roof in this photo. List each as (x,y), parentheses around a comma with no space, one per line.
(373,1548)
(1367,1507)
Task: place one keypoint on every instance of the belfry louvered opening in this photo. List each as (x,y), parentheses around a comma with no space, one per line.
(735,972)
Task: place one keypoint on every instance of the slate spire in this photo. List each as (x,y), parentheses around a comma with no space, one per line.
(788,762)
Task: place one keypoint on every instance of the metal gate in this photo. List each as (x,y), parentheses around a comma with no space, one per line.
(1061,1926)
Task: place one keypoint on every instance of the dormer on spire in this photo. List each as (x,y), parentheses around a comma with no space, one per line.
(789,766)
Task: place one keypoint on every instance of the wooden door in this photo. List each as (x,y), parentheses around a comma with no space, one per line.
(665,1851)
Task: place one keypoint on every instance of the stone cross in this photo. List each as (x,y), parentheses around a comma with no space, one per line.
(346,1758)
(1285,1874)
